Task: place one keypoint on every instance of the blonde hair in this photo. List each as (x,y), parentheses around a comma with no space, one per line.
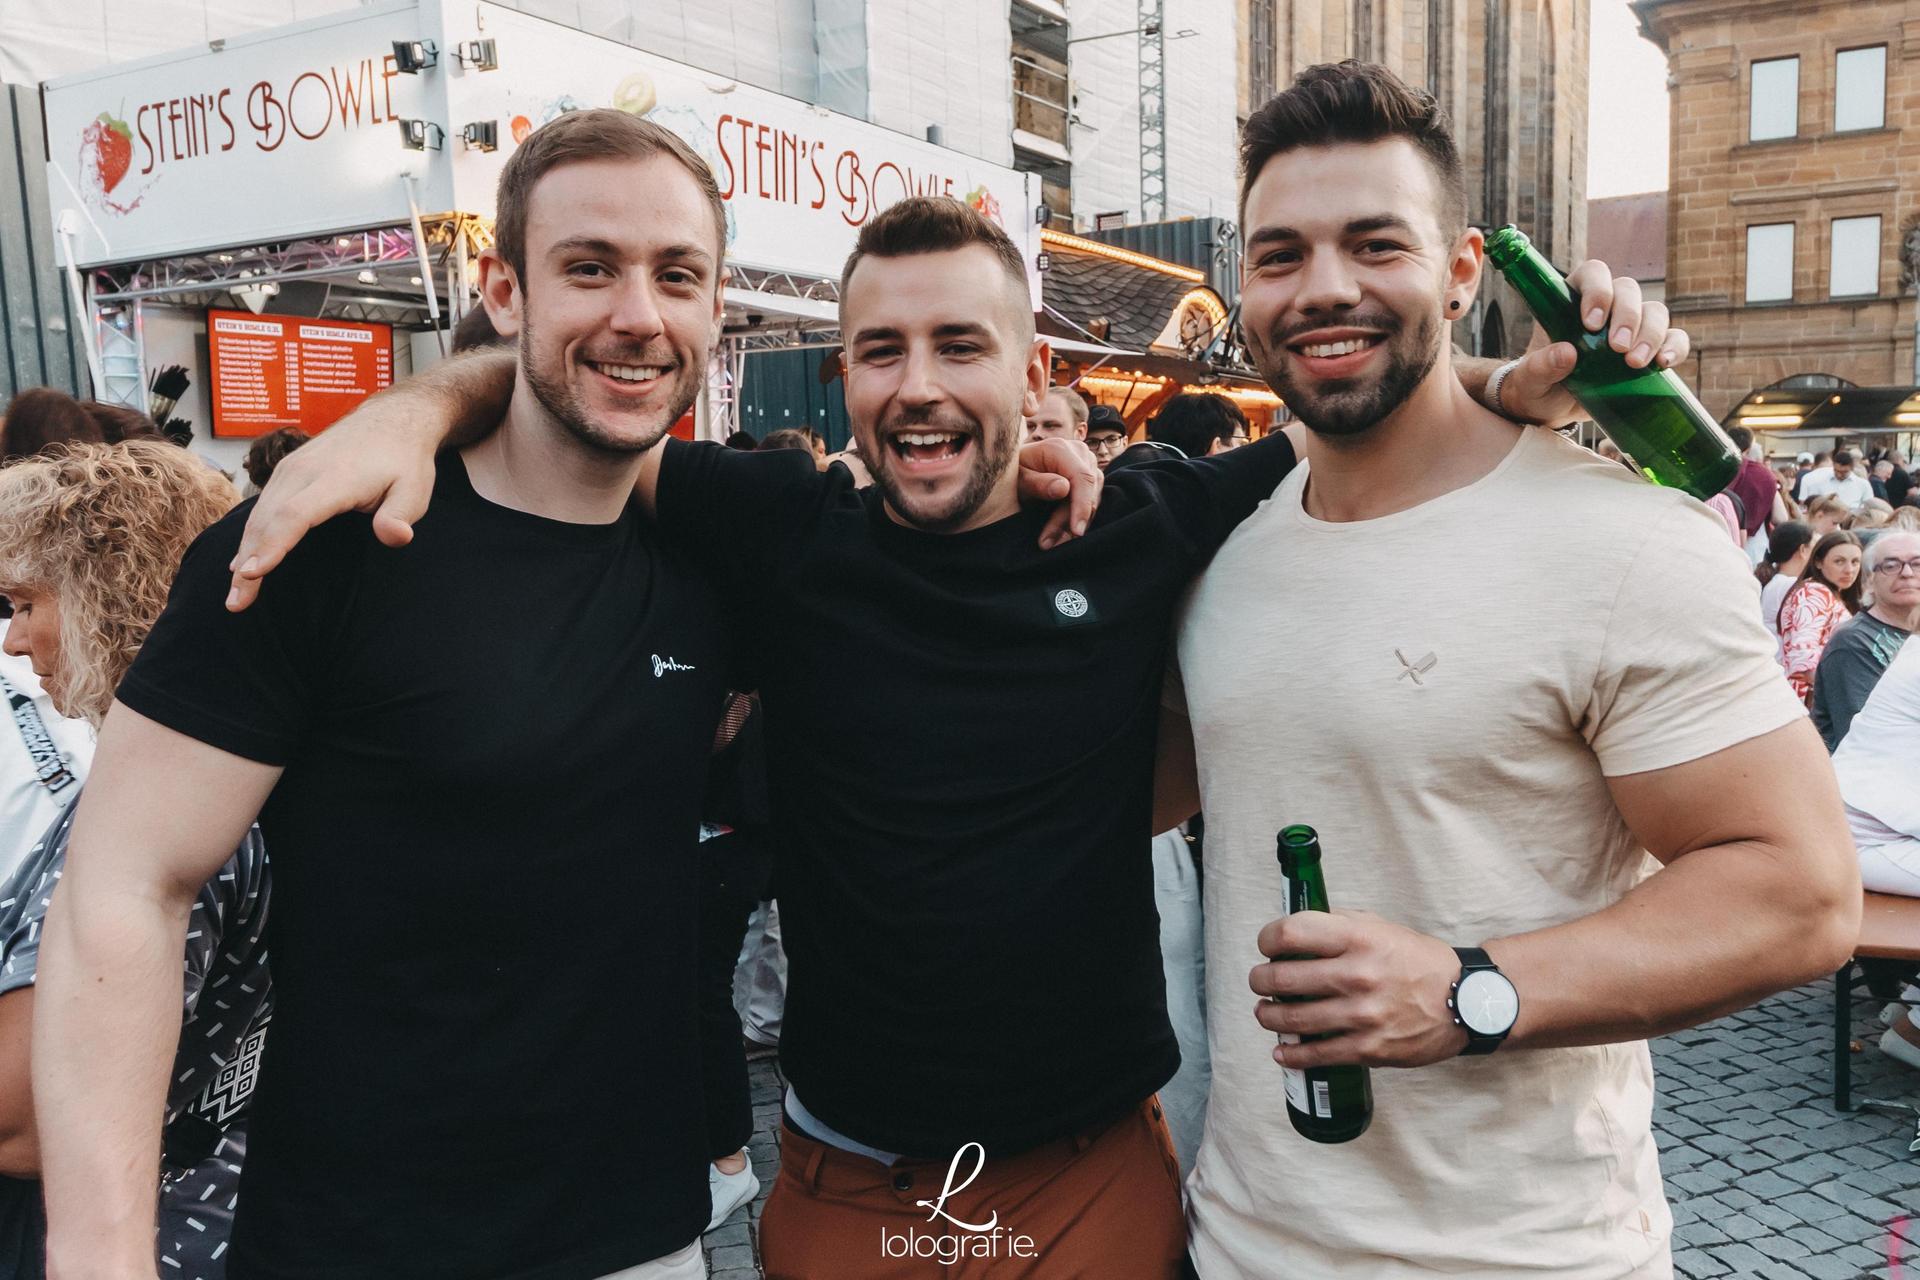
(1828,505)
(1875,513)
(102,529)
(1907,518)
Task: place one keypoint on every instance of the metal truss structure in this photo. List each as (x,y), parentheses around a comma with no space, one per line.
(1153,111)
(372,274)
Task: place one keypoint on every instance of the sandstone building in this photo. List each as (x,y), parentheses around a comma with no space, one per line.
(1795,182)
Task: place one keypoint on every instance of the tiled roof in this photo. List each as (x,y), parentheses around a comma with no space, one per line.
(1135,301)
(1629,234)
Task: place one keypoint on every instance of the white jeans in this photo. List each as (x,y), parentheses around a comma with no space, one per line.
(760,977)
(688,1264)
(1891,868)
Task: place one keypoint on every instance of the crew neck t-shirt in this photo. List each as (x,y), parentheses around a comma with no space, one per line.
(483,1061)
(1857,655)
(1452,744)
(960,735)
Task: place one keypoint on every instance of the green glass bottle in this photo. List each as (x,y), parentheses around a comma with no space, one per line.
(1648,412)
(1326,1104)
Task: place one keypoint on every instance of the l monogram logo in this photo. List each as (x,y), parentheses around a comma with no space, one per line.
(1414,670)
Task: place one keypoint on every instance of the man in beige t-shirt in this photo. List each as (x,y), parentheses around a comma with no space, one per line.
(1494,671)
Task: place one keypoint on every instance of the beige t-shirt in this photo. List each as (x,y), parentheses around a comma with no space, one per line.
(1443,693)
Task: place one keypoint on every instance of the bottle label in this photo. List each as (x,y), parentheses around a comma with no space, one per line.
(1295,1079)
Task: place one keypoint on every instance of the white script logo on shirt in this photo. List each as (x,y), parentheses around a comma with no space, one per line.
(663,665)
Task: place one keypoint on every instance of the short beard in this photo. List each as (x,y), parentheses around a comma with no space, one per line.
(554,394)
(1360,407)
(990,463)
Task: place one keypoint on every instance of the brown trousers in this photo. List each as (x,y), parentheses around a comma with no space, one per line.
(1100,1205)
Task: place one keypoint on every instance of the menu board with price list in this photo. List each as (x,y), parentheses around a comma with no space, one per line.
(287,371)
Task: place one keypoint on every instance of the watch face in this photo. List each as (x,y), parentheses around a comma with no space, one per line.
(1487,1003)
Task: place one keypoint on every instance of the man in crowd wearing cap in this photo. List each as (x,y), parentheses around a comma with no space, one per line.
(1106,434)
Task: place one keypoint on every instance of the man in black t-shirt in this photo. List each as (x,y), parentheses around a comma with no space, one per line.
(479,763)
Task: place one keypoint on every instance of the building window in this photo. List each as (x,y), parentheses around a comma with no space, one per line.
(1860,88)
(1260,38)
(1439,45)
(1855,267)
(1770,262)
(1773,109)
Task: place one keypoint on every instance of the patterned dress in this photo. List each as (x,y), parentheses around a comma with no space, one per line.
(228,1003)
(1806,623)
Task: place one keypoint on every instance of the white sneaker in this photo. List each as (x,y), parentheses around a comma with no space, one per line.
(731,1190)
(1897,1048)
(1891,1012)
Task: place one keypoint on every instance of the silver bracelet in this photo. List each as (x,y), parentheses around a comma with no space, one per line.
(1495,383)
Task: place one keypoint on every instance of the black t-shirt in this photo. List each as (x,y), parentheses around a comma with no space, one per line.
(484,1057)
(960,737)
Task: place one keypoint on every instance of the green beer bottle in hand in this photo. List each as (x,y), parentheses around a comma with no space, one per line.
(1326,1104)
(1648,412)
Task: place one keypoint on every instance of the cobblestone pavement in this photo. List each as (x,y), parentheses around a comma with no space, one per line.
(1766,1179)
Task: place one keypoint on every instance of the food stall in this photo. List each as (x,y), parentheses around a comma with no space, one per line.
(293,216)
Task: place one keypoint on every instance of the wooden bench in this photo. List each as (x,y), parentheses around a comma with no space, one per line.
(1889,930)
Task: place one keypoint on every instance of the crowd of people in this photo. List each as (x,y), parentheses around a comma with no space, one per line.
(586,762)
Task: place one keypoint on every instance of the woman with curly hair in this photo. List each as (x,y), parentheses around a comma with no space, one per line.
(90,538)
(1825,595)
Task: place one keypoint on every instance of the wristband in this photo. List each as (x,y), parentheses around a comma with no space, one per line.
(1496,383)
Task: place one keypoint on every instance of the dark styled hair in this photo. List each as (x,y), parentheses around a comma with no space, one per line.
(271,449)
(1355,102)
(788,438)
(476,332)
(741,440)
(1741,437)
(933,224)
(1784,544)
(1813,573)
(1192,421)
(41,417)
(1842,458)
(582,136)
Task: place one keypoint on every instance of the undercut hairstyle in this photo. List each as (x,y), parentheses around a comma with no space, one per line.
(1741,437)
(1192,421)
(580,137)
(102,528)
(1355,102)
(1842,458)
(936,224)
(41,417)
(1075,402)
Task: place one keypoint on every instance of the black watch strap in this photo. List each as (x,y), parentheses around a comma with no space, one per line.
(1473,959)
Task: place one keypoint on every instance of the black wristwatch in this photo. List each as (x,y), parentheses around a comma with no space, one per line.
(1482,1000)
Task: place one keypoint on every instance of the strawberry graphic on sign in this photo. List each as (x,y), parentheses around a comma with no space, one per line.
(110,143)
(982,201)
(106,156)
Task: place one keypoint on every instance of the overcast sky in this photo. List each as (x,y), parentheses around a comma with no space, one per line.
(1627,108)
